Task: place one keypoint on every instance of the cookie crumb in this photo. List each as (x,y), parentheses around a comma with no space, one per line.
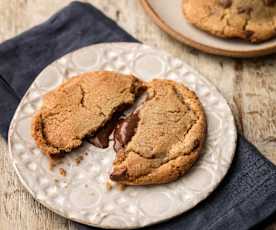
(53,163)
(56,180)
(62,172)
(79,159)
(108,186)
(121,187)
(86,153)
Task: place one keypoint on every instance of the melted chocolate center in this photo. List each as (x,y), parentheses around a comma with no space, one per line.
(125,126)
(101,138)
(125,130)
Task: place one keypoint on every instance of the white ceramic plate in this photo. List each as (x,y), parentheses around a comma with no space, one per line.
(168,15)
(82,195)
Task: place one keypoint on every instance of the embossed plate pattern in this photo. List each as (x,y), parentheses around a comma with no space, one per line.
(82,195)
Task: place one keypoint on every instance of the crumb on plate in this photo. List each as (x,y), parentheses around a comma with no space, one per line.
(79,159)
(62,171)
(121,187)
(108,185)
(53,163)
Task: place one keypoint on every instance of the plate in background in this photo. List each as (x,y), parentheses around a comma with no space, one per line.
(169,17)
(82,195)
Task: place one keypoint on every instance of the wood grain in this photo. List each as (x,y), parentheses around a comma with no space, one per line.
(248,85)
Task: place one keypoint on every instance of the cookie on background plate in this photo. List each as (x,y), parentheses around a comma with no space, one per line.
(251,20)
(162,138)
(80,107)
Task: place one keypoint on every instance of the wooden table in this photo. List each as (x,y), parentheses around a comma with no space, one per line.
(248,85)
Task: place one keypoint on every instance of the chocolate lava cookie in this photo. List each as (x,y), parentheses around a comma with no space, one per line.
(252,20)
(80,107)
(162,138)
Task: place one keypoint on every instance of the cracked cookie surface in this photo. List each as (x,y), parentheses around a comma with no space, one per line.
(252,20)
(79,107)
(162,138)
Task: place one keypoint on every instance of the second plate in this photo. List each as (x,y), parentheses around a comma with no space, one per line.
(171,19)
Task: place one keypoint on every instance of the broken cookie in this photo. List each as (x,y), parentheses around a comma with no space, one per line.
(162,138)
(79,108)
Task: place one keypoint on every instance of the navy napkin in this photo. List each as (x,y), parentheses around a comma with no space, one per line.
(247,194)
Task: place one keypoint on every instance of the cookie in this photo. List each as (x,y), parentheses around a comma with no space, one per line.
(162,138)
(252,20)
(80,107)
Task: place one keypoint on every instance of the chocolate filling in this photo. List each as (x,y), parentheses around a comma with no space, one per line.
(125,130)
(269,2)
(101,138)
(119,174)
(225,3)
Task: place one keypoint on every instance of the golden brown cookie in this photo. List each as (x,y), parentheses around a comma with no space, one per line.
(162,138)
(79,107)
(252,20)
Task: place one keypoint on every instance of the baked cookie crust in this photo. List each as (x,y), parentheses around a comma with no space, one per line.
(169,134)
(79,107)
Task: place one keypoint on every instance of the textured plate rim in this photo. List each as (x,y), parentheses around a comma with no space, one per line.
(205,48)
(63,214)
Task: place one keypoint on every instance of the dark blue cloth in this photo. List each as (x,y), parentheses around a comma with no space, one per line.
(247,194)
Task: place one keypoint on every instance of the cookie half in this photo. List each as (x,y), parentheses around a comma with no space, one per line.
(252,20)
(80,107)
(162,138)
